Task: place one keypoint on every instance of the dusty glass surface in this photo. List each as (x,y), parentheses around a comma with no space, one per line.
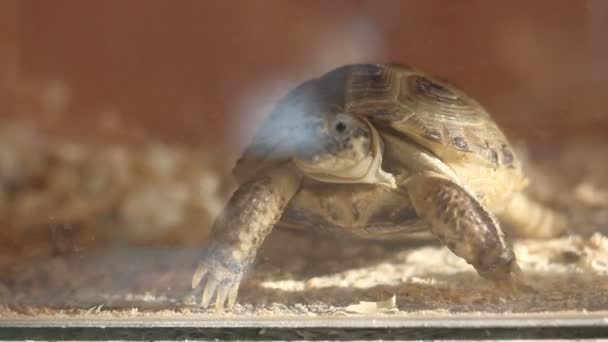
(121,123)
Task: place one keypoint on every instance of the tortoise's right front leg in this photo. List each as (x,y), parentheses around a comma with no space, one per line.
(239,231)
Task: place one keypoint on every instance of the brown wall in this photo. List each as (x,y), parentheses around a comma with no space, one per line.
(205,71)
(9,52)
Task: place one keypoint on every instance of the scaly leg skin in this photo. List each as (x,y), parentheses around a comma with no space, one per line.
(531,219)
(460,221)
(239,231)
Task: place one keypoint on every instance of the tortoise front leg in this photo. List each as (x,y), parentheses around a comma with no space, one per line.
(239,231)
(468,229)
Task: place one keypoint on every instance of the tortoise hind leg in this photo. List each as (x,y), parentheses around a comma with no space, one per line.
(461,222)
(530,219)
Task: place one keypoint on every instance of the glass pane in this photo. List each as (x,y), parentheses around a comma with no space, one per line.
(122,123)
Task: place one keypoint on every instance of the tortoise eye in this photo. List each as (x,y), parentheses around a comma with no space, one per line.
(340,127)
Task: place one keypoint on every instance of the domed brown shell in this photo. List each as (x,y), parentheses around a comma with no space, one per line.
(432,112)
(429,111)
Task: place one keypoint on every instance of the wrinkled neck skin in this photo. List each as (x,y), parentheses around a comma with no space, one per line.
(359,162)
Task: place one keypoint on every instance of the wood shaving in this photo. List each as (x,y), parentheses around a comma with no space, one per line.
(383,306)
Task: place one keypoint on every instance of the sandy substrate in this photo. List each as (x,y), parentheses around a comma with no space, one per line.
(568,274)
(97,260)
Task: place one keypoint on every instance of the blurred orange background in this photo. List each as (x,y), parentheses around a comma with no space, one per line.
(205,72)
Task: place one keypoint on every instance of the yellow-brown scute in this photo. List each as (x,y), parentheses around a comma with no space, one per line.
(494,186)
(426,90)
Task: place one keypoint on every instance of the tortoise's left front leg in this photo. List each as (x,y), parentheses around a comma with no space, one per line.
(239,231)
(461,222)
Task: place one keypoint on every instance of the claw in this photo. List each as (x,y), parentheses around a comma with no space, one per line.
(217,282)
(233,292)
(519,282)
(200,272)
(212,284)
(515,282)
(222,293)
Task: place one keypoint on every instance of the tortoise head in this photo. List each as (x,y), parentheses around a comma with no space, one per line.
(341,148)
(326,143)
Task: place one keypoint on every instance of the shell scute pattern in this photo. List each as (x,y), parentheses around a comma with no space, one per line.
(371,89)
(431,112)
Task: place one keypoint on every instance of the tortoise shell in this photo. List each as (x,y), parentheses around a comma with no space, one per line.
(433,113)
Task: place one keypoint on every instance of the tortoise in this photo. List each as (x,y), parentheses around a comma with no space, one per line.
(376,150)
